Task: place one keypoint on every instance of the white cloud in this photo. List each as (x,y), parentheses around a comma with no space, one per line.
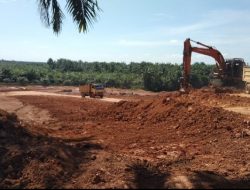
(194,27)
(214,20)
(7,1)
(229,15)
(161,16)
(148,43)
(231,40)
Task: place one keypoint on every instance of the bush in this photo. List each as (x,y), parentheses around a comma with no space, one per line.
(67,82)
(36,82)
(7,80)
(22,80)
(152,81)
(45,81)
(31,75)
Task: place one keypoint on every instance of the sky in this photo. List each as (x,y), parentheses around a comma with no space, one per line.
(128,30)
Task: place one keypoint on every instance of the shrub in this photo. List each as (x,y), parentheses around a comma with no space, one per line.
(67,82)
(22,80)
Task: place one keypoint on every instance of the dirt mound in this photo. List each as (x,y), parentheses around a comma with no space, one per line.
(30,161)
(181,115)
(211,98)
(173,120)
(177,110)
(6,122)
(180,134)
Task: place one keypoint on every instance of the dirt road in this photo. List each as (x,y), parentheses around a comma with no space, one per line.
(166,140)
(31,114)
(38,93)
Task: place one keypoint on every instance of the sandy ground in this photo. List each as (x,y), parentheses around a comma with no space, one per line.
(37,93)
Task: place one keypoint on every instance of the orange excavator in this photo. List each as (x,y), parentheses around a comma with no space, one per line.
(227,72)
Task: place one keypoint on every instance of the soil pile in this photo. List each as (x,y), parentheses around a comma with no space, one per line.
(183,112)
(171,117)
(31,161)
(208,97)
(178,133)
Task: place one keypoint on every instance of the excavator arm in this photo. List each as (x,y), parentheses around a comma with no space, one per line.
(205,50)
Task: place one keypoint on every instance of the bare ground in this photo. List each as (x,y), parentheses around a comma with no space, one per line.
(164,140)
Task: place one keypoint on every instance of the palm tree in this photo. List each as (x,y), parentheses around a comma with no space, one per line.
(84,12)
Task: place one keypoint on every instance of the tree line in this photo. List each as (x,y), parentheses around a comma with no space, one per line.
(145,75)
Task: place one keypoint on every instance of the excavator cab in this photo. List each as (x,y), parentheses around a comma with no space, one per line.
(235,67)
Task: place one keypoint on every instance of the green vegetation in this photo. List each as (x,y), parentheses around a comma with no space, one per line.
(149,76)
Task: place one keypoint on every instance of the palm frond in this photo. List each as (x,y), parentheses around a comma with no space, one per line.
(44,6)
(57,17)
(84,12)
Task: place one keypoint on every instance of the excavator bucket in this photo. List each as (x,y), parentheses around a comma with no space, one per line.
(184,85)
(182,90)
(216,83)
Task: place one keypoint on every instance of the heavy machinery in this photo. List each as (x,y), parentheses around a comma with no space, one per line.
(226,73)
(91,90)
(246,78)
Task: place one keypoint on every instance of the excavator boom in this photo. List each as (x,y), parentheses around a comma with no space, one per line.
(205,50)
